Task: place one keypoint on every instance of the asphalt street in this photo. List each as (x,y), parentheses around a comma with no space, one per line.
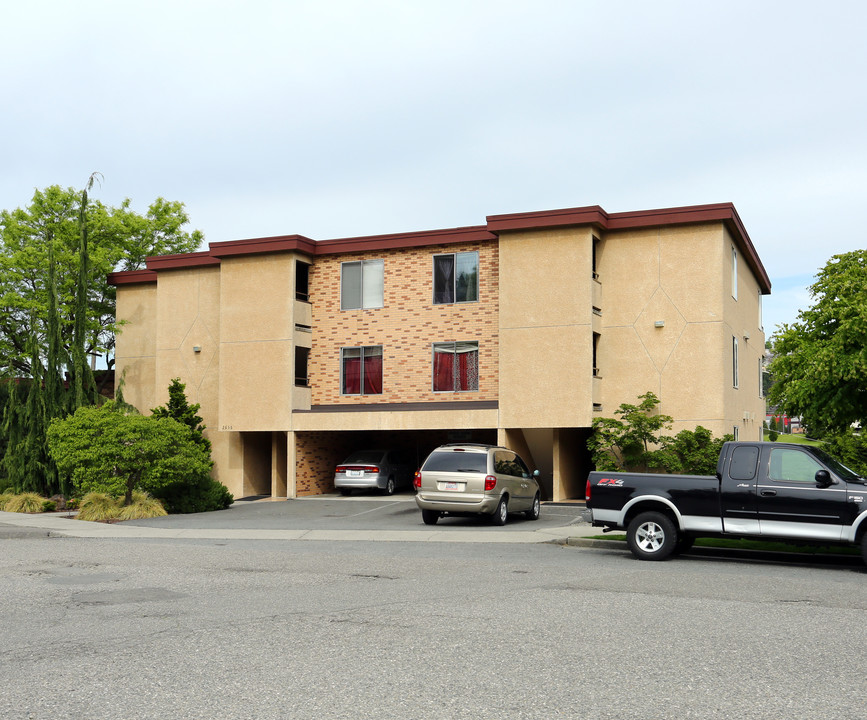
(125,628)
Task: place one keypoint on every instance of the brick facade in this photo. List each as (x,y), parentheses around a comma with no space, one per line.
(406,326)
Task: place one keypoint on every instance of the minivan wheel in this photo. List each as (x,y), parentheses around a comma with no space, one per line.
(430,517)
(501,514)
(389,486)
(533,512)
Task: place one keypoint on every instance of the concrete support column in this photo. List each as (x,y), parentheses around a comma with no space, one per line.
(291,455)
(278,464)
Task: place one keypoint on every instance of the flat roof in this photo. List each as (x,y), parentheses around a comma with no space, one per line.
(592,215)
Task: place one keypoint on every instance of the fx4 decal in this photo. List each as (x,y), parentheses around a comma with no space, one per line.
(611,481)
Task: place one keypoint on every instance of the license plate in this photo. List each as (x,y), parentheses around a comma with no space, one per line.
(451,486)
(355,473)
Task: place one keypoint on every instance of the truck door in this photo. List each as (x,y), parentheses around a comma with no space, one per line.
(790,501)
(738,504)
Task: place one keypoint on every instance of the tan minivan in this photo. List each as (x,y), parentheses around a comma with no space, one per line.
(466,478)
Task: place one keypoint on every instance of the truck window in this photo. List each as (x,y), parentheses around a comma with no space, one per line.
(744,461)
(793,466)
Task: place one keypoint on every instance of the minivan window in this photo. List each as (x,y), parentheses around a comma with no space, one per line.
(457,462)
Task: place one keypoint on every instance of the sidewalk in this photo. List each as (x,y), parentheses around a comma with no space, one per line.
(65,525)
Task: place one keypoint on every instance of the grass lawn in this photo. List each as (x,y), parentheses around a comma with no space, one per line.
(758,545)
(792,438)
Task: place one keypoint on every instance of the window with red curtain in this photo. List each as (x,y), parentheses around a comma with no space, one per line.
(361,370)
(455,366)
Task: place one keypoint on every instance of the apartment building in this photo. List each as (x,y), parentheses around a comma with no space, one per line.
(520,331)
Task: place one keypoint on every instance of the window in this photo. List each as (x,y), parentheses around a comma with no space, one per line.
(744,462)
(596,337)
(761,380)
(793,466)
(361,284)
(302,281)
(734,361)
(456,278)
(734,273)
(595,257)
(361,370)
(736,432)
(761,326)
(507,463)
(302,357)
(455,366)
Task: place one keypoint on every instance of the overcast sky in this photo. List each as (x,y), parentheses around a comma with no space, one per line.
(336,118)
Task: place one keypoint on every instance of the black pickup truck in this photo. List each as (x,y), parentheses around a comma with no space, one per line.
(770,491)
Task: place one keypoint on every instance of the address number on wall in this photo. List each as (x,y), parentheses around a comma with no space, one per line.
(225,427)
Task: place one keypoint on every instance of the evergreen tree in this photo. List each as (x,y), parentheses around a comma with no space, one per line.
(180,409)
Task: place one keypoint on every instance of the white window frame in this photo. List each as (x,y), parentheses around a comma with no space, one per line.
(734,361)
(734,272)
(370,299)
(761,320)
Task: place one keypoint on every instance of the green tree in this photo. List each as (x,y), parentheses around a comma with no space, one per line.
(194,493)
(59,222)
(820,361)
(180,409)
(850,448)
(692,452)
(57,308)
(107,450)
(627,442)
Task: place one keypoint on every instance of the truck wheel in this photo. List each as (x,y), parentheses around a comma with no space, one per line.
(651,536)
(430,517)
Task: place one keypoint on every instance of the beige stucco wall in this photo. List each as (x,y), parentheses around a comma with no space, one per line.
(135,344)
(546,341)
(682,278)
(257,327)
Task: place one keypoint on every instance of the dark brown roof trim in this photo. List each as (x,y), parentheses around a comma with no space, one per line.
(591,215)
(183,260)
(595,215)
(477,233)
(456,405)
(258,246)
(132,277)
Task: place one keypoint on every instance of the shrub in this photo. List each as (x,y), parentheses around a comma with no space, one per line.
(106,450)
(72,503)
(49,506)
(98,507)
(773,436)
(25,503)
(201,495)
(142,506)
(4,498)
